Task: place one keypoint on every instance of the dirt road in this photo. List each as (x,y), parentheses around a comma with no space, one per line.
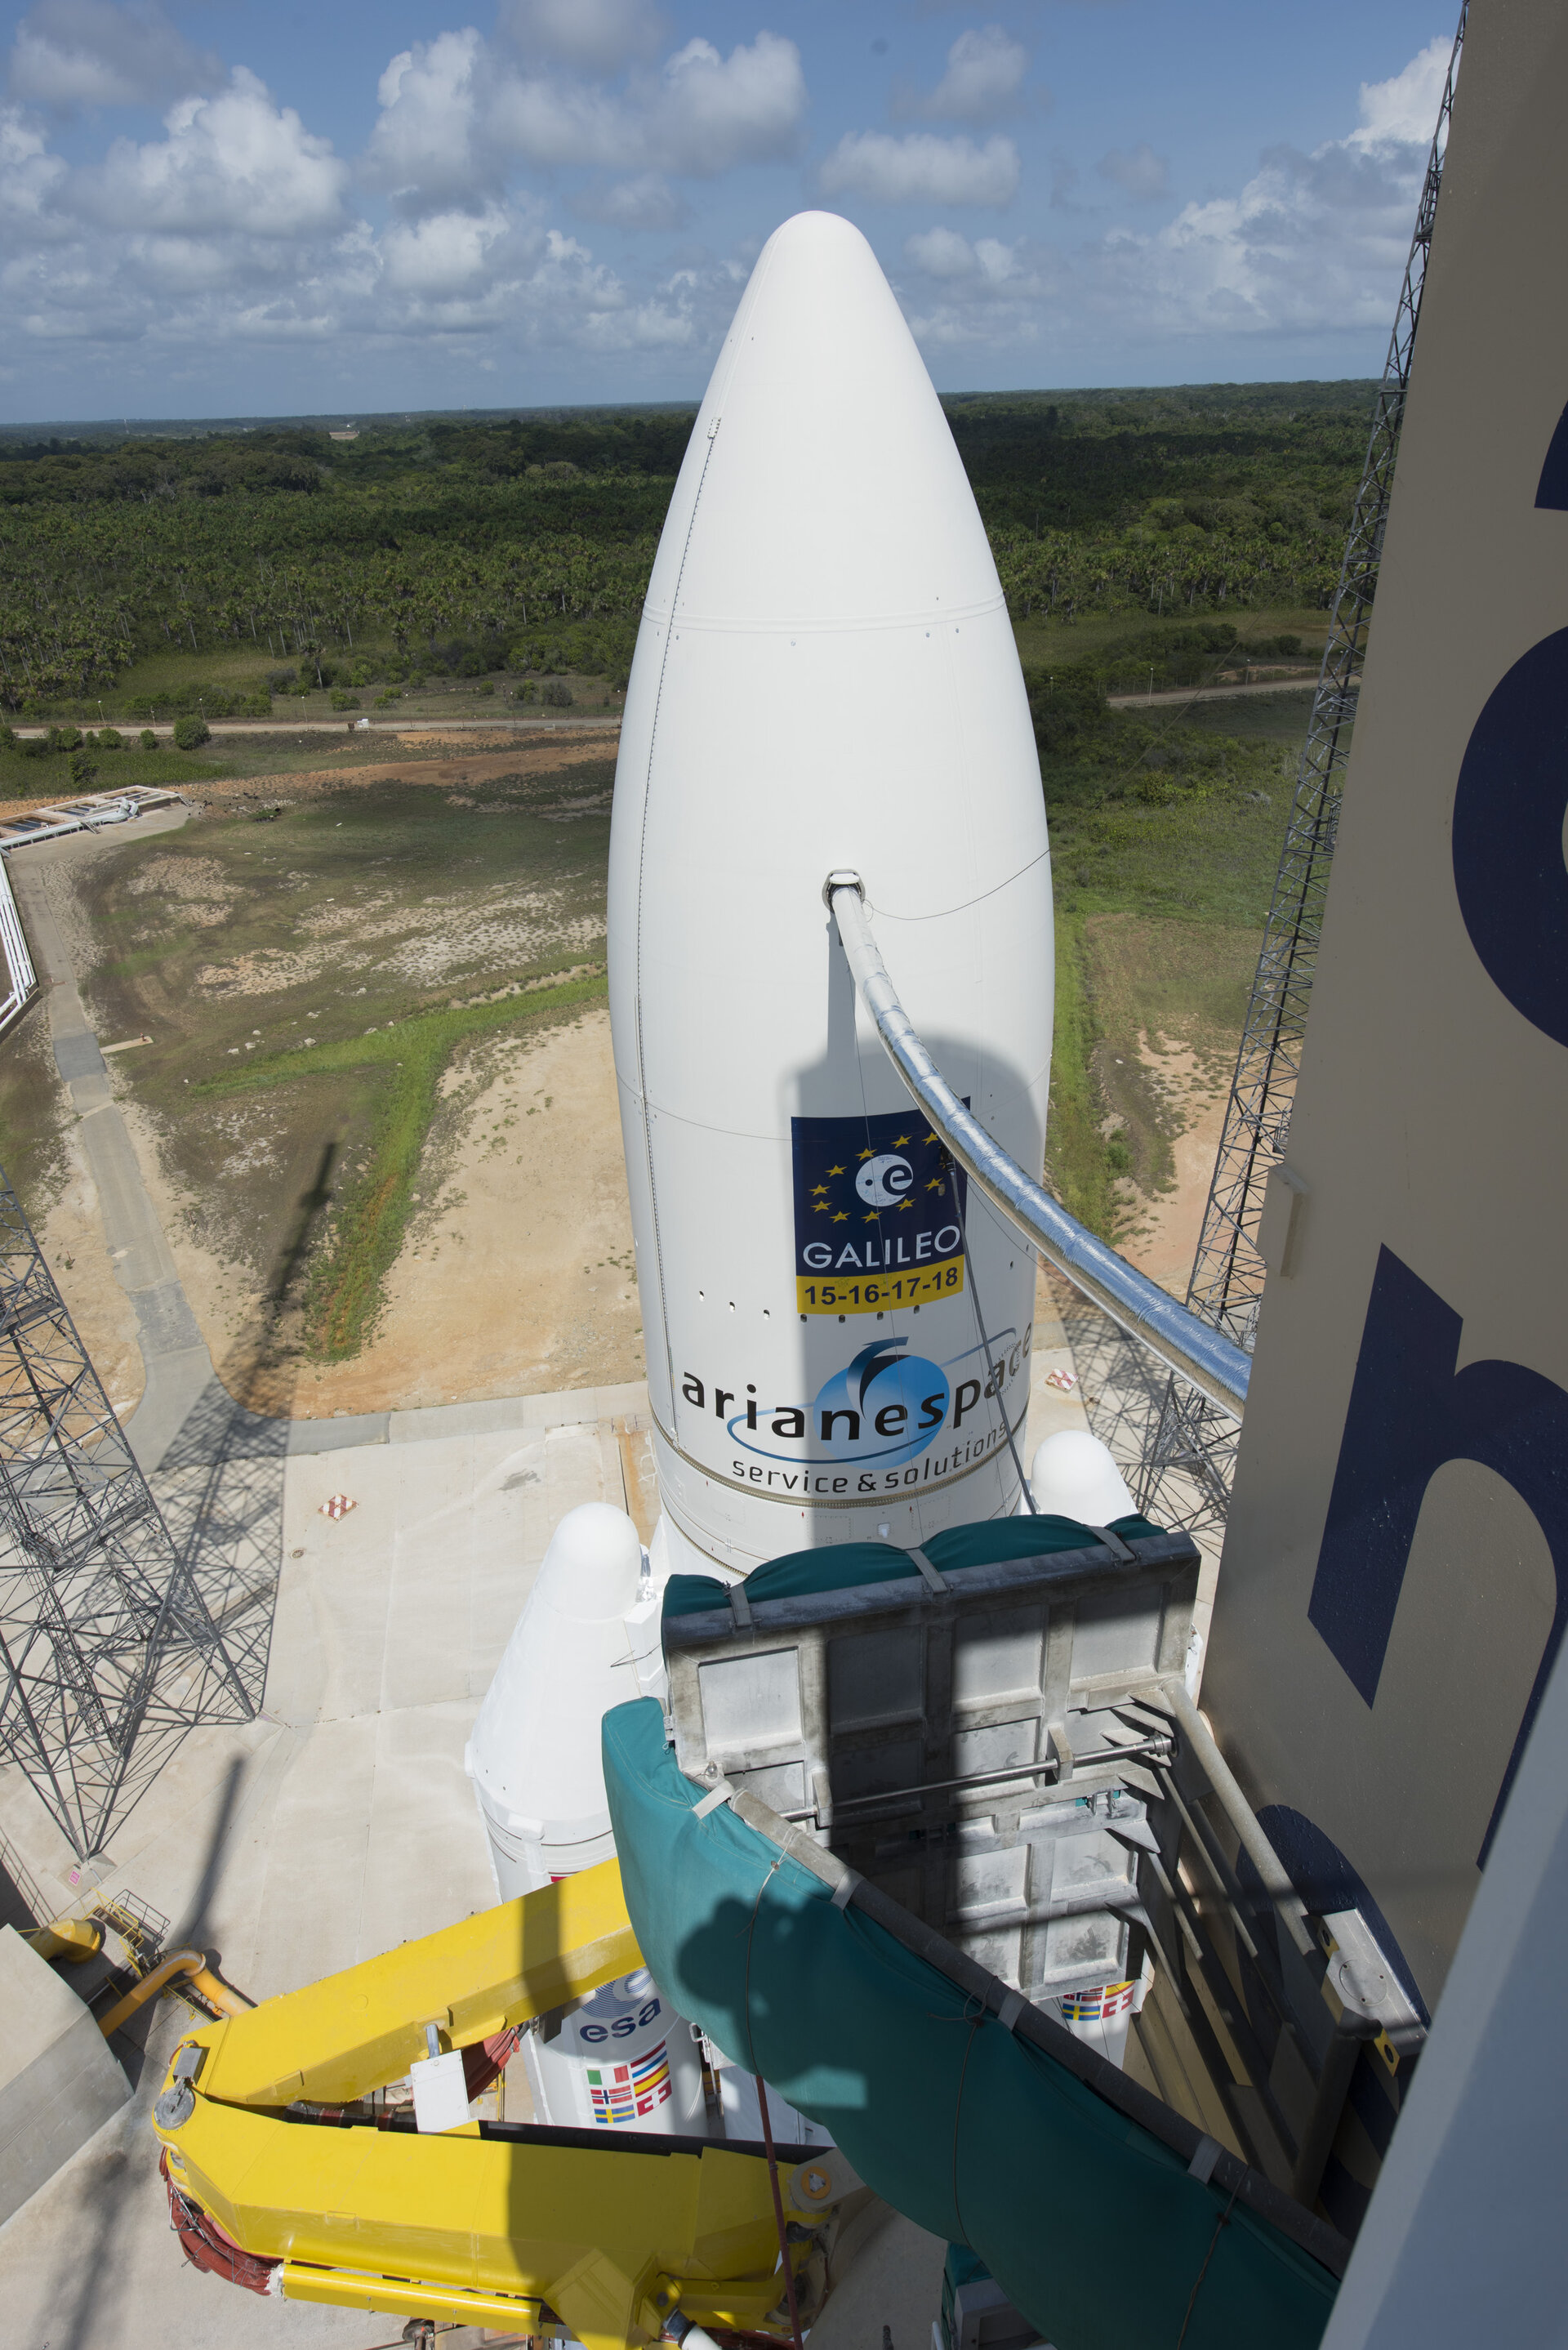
(356,727)
(1211,692)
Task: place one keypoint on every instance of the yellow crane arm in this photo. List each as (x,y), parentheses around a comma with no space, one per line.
(485,2223)
(611,2238)
(350,2034)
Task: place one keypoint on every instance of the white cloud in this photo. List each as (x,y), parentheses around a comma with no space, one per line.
(1139,174)
(455,119)
(90,53)
(985,293)
(985,69)
(921,168)
(232,230)
(713,112)
(1312,243)
(647,201)
(591,35)
(940,253)
(232,233)
(548,123)
(988,263)
(1403,111)
(233,161)
(29,175)
(700,115)
(427,146)
(1311,247)
(447,255)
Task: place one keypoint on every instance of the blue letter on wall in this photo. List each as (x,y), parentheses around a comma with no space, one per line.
(1508,874)
(1410,1411)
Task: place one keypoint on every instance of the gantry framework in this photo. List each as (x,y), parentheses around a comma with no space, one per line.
(1187,1463)
(108,1653)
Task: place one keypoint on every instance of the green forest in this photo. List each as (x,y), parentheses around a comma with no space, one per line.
(479,546)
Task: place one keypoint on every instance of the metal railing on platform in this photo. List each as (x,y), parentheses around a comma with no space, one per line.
(20,979)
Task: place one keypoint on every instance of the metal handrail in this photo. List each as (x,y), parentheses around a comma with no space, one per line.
(1185,1344)
(20,979)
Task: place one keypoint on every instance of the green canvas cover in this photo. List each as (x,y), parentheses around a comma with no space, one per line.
(1092,2227)
(841,1566)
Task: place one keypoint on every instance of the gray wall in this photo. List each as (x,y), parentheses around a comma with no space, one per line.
(58,2080)
(1371,1662)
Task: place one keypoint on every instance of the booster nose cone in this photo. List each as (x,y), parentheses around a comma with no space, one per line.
(535,1753)
(825,677)
(1074,1475)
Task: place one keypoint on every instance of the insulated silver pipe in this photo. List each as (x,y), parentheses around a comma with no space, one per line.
(1185,1344)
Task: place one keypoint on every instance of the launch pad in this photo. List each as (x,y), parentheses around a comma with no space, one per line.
(340,1823)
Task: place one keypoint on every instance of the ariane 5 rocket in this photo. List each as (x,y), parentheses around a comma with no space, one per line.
(837,1328)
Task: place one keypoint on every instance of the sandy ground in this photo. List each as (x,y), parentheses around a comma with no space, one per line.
(517,758)
(517,1277)
(516,1274)
(1164,1240)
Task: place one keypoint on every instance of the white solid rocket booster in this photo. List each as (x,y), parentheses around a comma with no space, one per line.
(826,678)
(587,1640)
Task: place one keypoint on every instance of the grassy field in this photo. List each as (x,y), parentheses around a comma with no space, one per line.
(1042,640)
(1160,907)
(316,982)
(177,679)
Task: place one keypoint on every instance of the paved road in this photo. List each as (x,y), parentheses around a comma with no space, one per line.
(380,725)
(1211,692)
(178,1366)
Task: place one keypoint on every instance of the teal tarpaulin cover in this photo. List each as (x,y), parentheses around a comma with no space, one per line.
(1091,2226)
(840,1567)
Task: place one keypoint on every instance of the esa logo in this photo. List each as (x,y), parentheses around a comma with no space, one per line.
(882,1182)
(624,2025)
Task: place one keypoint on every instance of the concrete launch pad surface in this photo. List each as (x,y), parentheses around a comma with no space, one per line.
(336,1827)
(338,1824)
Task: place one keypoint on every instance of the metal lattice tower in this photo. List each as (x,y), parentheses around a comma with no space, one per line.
(107,1652)
(1188,1465)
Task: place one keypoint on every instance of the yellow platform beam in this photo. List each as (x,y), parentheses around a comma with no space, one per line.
(610,2237)
(399,2297)
(352,2033)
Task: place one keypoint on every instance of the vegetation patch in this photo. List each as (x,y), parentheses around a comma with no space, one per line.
(344,1294)
(1166,837)
(1076,1166)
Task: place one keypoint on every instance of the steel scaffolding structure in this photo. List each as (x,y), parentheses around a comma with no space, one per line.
(107,1652)
(1187,1467)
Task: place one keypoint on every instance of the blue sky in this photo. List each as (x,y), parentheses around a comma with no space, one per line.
(231,209)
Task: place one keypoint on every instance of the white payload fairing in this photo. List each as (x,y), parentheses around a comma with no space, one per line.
(838,1338)
(826,679)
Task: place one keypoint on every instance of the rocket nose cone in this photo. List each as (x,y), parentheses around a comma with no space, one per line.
(822,485)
